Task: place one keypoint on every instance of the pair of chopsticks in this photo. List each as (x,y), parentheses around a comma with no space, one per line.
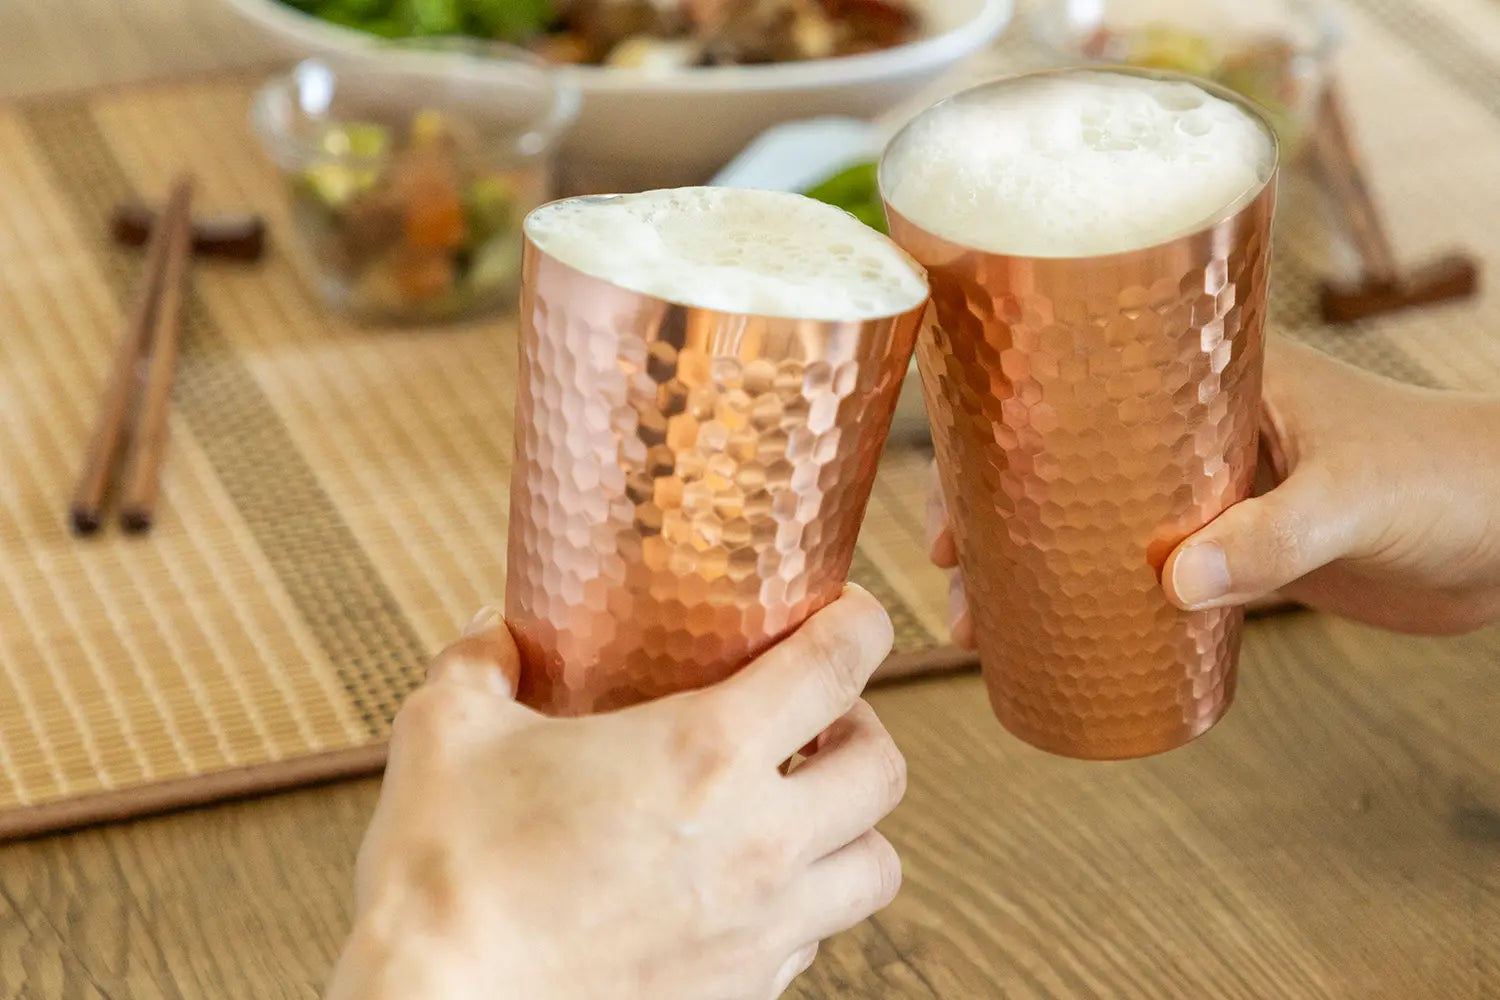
(134,408)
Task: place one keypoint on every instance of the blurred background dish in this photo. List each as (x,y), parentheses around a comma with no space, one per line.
(643,33)
(410,170)
(1275,52)
(660,123)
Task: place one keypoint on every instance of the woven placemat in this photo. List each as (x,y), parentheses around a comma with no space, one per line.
(335,498)
(68,45)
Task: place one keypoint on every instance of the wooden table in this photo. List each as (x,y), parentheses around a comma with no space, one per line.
(1337,836)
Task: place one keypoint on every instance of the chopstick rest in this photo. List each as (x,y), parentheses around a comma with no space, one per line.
(237,236)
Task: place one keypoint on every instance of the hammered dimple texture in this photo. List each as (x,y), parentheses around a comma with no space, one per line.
(688,485)
(1088,415)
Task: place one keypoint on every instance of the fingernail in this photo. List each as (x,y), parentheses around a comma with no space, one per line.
(958,600)
(853,588)
(960,621)
(933,522)
(487,618)
(963,633)
(1200,574)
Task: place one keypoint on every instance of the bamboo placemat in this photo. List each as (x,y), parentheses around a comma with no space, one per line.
(50,45)
(335,499)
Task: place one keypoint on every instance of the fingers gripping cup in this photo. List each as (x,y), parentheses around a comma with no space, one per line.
(707,377)
(1096,242)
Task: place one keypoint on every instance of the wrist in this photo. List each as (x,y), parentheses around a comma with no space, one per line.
(384,961)
(376,965)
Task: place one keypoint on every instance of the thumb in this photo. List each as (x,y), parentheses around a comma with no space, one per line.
(1260,545)
(485,657)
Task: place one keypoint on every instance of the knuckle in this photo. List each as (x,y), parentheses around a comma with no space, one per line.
(846,646)
(471,662)
(834,660)
(861,715)
(887,762)
(434,720)
(759,872)
(775,857)
(877,632)
(1286,542)
(884,871)
(702,742)
(430,868)
(892,764)
(423,717)
(452,657)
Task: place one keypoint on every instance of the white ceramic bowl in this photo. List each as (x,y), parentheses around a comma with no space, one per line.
(641,129)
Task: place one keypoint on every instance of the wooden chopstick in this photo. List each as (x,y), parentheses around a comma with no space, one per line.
(142,474)
(85,509)
(1342,166)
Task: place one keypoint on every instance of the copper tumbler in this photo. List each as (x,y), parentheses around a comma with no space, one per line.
(687,486)
(1088,414)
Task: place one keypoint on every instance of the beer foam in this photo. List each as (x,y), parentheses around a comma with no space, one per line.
(1076,164)
(764,253)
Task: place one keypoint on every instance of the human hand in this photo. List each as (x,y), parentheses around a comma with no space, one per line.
(1383,506)
(942,549)
(656,853)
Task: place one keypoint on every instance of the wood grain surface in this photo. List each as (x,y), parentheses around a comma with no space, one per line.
(1338,836)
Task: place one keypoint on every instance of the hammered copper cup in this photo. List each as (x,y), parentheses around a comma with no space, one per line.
(1088,414)
(688,484)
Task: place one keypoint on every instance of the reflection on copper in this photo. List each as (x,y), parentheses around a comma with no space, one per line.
(1088,414)
(687,486)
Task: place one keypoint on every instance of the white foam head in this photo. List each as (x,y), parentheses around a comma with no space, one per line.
(1076,164)
(764,253)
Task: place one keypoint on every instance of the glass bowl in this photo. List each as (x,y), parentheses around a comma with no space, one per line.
(410,167)
(1275,52)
